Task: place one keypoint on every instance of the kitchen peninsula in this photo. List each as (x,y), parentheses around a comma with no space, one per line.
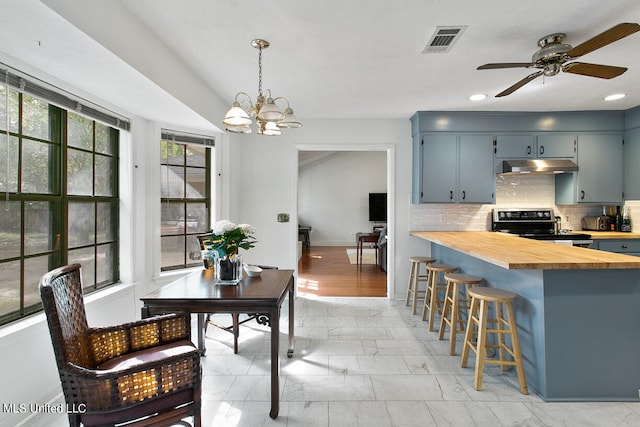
(578,313)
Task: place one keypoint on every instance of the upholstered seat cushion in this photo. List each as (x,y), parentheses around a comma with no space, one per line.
(148,355)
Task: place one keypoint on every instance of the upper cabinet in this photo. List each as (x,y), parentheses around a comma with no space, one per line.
(632,164)
(561,145)
(599,178)
(453,165)
(456,169)
(516,146)
(531,146)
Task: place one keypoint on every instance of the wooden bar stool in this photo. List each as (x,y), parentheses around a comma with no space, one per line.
(413,289)
(456,300)
(432,302)
(480,299)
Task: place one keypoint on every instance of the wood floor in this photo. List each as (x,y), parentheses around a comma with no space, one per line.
(325,271)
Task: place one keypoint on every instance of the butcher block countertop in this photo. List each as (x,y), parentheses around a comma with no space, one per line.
(517,253)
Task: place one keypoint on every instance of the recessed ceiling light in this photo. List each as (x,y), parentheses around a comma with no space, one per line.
(477,97)
(614,97)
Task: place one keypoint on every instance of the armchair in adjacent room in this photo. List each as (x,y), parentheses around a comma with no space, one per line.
(382,248)
(146,372)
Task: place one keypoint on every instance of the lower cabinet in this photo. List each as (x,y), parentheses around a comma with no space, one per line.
(621,246)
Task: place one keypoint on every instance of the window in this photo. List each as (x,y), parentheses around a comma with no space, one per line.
(59,198)
(185,176)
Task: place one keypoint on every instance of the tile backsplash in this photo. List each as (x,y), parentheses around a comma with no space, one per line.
(512,191)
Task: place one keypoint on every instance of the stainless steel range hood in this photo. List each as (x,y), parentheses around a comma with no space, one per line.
(536,166)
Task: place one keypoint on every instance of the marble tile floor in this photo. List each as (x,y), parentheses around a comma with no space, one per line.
(369,362)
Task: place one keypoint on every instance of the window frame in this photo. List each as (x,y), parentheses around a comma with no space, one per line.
(191,256)
(57,251)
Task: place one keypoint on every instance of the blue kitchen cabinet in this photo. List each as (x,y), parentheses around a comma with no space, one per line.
(516,146)
(632,164)
(532,146)
(599,177)
(457,169)
(621,246)
(475,168)
(560,145)
(439,168)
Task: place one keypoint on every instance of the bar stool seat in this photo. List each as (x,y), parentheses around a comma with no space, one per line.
(432,301)
(413,288)
(455,301)
(480,299)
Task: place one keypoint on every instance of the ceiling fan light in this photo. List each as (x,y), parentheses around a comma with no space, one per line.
(614,97)
(478,97)
(270,112)
(290,120)
(236,116)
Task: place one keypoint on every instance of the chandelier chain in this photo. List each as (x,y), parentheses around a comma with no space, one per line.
(260,70)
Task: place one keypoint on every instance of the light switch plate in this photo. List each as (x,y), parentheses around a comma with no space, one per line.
(283,217)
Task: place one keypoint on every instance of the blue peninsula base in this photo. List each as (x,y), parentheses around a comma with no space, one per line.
(579,329)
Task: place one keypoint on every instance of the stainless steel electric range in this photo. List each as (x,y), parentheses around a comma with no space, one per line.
(538,224)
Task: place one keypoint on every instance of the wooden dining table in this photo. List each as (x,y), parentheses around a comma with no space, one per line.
(263,296)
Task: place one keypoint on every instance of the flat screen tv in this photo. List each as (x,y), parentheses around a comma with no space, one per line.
(378,207)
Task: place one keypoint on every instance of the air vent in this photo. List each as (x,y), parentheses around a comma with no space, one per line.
(443,39)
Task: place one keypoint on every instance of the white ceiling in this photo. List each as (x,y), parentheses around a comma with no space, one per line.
(331,59)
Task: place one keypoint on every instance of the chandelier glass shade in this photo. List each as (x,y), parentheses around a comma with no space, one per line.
(268,116)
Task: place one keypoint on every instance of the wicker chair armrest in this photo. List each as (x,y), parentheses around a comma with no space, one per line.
(109,389)
(112,341)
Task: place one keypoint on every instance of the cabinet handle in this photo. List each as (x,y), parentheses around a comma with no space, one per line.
(528,149)
(581,194)
(624,247)
(541,149)
(464,195)
(450,195)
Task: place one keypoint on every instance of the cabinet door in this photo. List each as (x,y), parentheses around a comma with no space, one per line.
(556,146)
(439,168)
(600,168)
(515,146)
(477,176)
(632,165)
(621,246)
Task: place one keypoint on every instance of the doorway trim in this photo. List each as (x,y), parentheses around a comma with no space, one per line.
(390,151)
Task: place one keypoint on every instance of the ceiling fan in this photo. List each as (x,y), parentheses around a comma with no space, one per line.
(554,55)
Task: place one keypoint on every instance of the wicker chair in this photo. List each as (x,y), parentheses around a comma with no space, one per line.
(146,373)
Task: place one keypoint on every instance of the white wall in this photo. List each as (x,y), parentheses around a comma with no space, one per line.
(263,173)
(333,194)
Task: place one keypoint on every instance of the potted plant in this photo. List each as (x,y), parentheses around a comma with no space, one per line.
(225,241)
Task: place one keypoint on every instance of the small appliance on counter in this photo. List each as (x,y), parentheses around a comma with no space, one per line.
(596,223)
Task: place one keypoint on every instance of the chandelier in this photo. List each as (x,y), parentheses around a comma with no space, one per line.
(269,118)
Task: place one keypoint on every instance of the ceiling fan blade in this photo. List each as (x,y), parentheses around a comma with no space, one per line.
(611,35)
(593,70)
(518,85)
(505,65)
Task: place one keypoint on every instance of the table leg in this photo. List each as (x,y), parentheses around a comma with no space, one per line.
(291,323)
(236,331)
(201,324)
(275,362)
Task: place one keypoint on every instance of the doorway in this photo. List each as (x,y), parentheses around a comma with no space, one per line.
(347,235)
